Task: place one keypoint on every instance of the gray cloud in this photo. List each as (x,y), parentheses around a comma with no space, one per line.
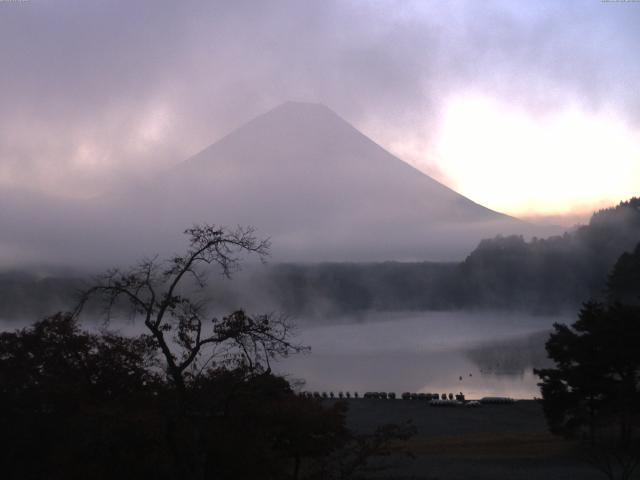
(96,91)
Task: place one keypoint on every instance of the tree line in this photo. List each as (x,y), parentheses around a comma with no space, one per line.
(539,275)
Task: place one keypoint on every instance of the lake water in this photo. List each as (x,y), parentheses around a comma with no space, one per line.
(477,354)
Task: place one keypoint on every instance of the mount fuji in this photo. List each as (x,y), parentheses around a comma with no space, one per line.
(301,175)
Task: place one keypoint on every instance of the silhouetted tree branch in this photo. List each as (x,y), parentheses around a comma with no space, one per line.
(178,322)
(163,295)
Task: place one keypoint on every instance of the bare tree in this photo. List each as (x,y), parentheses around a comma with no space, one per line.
(165,296)
(161,294)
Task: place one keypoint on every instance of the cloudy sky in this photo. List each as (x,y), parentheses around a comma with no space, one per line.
(530,108)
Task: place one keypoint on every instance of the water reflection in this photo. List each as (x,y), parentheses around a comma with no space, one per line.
(477,354)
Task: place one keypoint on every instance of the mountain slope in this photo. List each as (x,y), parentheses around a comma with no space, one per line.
(300,174)
(321,190)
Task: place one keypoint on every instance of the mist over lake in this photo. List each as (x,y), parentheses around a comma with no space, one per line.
(494,353)
(424,352)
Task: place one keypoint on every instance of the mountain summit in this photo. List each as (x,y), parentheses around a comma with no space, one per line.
(300,174)
(321,190)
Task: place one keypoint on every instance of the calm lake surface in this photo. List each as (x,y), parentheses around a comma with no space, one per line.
(477,354)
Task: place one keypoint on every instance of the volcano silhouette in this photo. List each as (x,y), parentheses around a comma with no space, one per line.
(321,190)
(301,175)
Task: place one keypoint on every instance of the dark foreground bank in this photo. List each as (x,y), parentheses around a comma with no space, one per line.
(488,442)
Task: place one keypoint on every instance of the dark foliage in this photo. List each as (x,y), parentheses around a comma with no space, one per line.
(623,284)
(194,398)
(593,393)
(26,295)
(81,405)
(597,374)
(554,273)
(76,405)
(339,288)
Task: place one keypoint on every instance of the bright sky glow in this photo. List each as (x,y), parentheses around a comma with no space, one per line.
(530,108)
(519,163)
(153,127)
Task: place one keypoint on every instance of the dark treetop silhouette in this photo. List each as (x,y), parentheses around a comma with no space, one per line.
(594,390)
(217,409)
(192,398)
(183,333)
(153,290)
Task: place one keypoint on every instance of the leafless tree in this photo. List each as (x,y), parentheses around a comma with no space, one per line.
(163,295)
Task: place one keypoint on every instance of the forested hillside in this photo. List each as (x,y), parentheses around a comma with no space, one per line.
(548,274)
(541,275)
